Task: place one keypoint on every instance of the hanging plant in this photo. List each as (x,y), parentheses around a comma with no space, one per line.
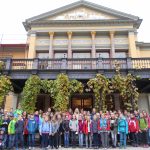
(100,87)
(5,87)
(30,91)
(63,89)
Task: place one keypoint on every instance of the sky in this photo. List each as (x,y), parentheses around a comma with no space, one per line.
(14,12)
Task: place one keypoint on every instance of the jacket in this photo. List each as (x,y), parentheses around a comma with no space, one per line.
(133,125)
(31,126)
(11,127)
(5,125)
(94,126)
(46,127)
(103,125)
(123,125)
(149,122)
(143,125)
(73,124)
(80,126)
(113,125)
(19,126)
(87,127)
(65,126)
(55,127)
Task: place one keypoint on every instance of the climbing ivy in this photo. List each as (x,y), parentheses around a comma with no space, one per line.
(100,87)
(30,91)
(5,87)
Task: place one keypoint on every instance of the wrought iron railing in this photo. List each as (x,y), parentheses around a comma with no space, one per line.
(76,64)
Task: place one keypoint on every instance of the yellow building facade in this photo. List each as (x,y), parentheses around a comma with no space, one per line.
(83,30)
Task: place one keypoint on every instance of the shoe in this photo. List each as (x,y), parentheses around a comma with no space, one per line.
(29,148)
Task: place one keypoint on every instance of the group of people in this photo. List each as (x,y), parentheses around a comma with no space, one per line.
(71,129)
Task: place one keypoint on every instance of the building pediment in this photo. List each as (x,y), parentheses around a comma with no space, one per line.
(81,10)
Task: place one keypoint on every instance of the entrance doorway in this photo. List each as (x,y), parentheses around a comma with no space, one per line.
(43,102)
(82,102)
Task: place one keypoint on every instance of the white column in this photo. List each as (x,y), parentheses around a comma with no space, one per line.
(32,45)
(93,34)
(69,44)
(51,51)
(112,43)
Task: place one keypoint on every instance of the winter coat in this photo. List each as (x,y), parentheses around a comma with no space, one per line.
(5,125)
(11,127)
(87,127)
(133,125)
(143,125)
(123,125)
(73,124)
(65,125)
(31,126)
(80,126)
(36,117)
(19,126)
(55,127)
(3,138)
(25,131)
(103,125)
(113,125)
(149,122)
(46,127)
(94,126)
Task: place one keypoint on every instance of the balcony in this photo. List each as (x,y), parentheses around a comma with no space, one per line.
(85,68)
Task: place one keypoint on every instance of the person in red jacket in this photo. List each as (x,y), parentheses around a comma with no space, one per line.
(87,131)
(133,130)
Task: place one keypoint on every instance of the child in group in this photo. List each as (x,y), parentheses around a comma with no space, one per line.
(103,128)
(73,124)
(19,127)
(133,130)
(45,130)
(80,130)
(66,129)
(31,127)
(11,132)
(3,139)
(122,130)
(87,131)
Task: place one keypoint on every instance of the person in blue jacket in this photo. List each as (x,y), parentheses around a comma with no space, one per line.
(122,130)
(31,127)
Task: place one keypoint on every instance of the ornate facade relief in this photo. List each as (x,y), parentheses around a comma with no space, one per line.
(82,13)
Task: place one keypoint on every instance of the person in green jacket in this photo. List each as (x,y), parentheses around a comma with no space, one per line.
(11,132)
(143,125)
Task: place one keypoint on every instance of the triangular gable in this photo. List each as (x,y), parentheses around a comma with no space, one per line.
(101,12)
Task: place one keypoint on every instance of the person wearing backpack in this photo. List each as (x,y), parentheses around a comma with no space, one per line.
(143,125)
(45,129)
(122,130)
(133,129)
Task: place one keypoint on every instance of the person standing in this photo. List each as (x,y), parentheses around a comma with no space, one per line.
(133,130)
(45,129)
(55,127)
(143,125)
(73,125)
(122,130)
(80,130)
(87,131)
(94,131)
(11,132)
(113,129)
(19,127)
(31,127)
(66,129)
(103,128)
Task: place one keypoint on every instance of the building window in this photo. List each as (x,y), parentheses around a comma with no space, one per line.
(120,55)
(60,55)
(42,55)
(81,55)
(102,55)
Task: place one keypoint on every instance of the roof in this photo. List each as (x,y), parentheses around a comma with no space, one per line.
(71,6)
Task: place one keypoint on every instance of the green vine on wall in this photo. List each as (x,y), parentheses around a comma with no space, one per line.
(5,87)
(30,91)
(100,87)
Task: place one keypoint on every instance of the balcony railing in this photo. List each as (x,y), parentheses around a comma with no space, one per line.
(75,64)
